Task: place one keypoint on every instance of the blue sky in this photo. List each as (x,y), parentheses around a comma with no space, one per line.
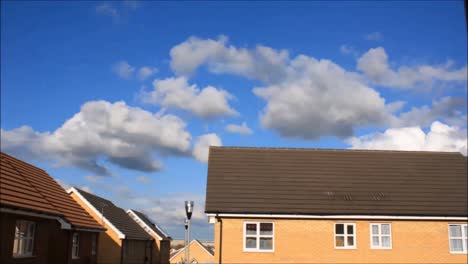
(123,98)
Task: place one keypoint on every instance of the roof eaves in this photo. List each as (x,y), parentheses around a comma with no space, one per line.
(133,215)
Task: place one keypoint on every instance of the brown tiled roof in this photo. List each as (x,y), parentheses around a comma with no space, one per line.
(157,229)
(27,187)
(335,182)
(117,216)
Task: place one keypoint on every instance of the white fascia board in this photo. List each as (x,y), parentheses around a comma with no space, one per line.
(115,229)
(383,217)
(142,223)
(63,223)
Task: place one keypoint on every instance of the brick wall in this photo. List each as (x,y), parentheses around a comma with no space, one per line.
(312,241)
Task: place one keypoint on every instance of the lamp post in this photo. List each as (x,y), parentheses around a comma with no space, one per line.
(188,211)
(185,241)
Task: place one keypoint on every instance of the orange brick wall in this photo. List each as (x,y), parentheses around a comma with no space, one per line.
(312,241)
(196,252)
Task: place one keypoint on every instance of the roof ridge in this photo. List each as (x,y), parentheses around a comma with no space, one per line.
(32,185)
(336,149)
(88,193)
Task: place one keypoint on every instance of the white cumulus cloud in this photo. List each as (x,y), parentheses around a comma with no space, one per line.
(374,64)
(123,69)
(207,103)
(202,146)
(145,72)
(102,131)
(440,137)
(242,129)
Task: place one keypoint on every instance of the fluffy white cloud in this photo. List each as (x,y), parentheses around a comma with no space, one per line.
(449,109)
(242,129)
(440,137)
(374,64)
(125,136)
(306,97)
(345,49)
(145,72)
(374,36)
(202,146)
(320,98)
(262,63)
(123,69)
(206,103)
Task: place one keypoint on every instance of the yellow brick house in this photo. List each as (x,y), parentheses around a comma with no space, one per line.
(278,205)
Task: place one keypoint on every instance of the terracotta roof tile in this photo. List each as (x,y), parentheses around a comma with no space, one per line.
(28,187)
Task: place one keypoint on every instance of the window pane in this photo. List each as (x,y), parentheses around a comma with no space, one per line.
(266,243)
(339,228)
(251,242)
(466,230)
(350,229)
(375,241)
(350,240)
(251,229)
(385,229)
(375,229)
(456,245)
(455,231)
(266,229)
(386,242)
(339,241)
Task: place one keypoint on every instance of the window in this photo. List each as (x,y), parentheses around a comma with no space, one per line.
(345,236)
(76,246)
(93,244)
(381,236)
(258,237)
(458,236)
(23,244)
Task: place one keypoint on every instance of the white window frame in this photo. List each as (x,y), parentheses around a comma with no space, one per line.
(24,239)
(258,236)
(76,246)
(463,237)
(345,235)
(380,235)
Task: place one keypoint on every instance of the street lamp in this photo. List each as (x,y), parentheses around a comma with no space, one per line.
(188,211)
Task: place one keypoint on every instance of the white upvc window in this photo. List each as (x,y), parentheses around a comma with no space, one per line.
(381,236)
(259,236)
(76,246)
(23,245)
(345,235)
(458,238)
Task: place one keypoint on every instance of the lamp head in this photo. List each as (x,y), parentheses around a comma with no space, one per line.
(189,209)
(186,223)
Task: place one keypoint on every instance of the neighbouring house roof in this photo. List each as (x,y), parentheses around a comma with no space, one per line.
(207,246)
(26,187)
(336,182)
(118,219)
(146,223)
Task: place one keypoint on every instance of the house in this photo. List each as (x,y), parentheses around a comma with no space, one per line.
(40,223)
(279,205)
(200,253)
(162,244)
(124,241)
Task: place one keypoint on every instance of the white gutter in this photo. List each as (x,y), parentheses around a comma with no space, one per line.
(63,224)
(106,221)
(142,223)
(383,217)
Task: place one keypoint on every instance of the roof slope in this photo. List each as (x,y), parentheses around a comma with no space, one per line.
(150,224)
(331,182)
(28,187)
(116,215)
